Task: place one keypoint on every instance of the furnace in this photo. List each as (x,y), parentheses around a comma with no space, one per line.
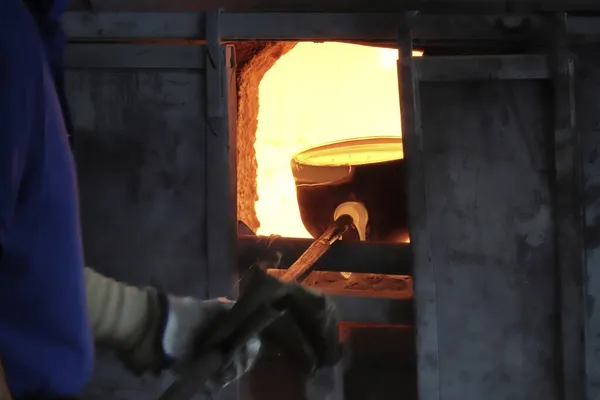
(172,152)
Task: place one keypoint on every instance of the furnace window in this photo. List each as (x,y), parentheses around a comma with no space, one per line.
(295,96)
(317,93)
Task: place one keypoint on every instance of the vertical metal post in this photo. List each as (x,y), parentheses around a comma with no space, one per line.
(424,274)
(221,193)
(220,207)
(568,216)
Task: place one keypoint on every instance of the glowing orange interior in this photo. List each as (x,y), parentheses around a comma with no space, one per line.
(318,93)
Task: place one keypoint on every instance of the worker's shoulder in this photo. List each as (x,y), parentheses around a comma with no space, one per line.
(20,43)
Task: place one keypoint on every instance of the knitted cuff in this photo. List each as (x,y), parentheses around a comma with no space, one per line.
(147,355)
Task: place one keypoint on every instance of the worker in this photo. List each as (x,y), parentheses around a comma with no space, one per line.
(51,307)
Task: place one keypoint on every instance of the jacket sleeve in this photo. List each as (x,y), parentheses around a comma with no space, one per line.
(17,102)
(128,319)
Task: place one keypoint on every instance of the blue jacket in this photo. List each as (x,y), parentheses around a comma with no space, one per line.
(45,339)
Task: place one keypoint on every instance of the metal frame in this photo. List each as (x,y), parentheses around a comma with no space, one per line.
(176,37)
(191,29)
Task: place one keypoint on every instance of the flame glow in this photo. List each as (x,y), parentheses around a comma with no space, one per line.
(317,93)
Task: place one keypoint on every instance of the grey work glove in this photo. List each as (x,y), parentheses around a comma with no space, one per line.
(308,327)
(309,330)
(188,319)
(153,332)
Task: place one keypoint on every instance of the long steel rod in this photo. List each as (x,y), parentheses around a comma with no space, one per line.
(343,256)
(315,251)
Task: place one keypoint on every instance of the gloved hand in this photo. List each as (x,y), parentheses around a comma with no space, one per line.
(308,329)
(188,319)
(153,332)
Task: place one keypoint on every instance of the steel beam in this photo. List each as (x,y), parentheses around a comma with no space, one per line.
(371,27)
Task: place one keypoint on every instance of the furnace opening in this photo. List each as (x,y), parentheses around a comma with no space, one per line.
(294,96)
(314,94)
(297,96)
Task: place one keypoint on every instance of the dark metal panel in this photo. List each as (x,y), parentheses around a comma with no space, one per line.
(141,140)
(470,68)
(233,26)
(583,29)
(142,188)
(492,241)
(568,215)
(142,184)
(134,56)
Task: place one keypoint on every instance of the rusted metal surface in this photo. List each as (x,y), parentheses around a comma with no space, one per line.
(357,285)
(493,333)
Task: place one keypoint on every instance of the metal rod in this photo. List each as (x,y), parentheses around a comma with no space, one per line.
(315,251)
(343,256)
